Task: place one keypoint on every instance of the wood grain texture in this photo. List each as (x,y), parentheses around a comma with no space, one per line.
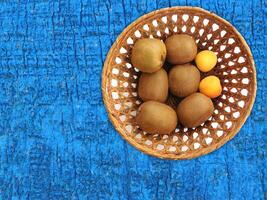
(55,138)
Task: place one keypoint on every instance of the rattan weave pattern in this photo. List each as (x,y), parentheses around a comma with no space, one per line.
(235,69)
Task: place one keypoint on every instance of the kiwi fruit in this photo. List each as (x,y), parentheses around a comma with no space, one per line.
(181,48)
(156,117)
(148,55)
(153,86)
(194,110)
(184,80)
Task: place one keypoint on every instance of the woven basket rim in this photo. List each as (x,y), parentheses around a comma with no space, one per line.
(203,151)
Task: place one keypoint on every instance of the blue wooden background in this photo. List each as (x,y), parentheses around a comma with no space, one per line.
(56,141)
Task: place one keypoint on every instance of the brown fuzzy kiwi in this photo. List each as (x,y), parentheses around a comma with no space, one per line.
(181,48)
(194,110)
(155,117)
(148,55)
(184,80)
(153,86)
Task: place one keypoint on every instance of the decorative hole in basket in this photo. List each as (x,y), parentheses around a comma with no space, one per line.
(235,68)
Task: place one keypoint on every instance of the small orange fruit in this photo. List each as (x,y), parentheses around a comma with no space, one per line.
(206,60)
(210,86)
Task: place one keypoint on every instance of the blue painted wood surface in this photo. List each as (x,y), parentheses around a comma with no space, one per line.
(55,138)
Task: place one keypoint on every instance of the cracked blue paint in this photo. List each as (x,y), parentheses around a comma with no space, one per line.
(55,138)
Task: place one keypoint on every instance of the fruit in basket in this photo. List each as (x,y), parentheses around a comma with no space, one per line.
(155,117)
(194,110)
(148,55)
(206,60)
(210,86)
(153,86)
(184,80)
(181,48)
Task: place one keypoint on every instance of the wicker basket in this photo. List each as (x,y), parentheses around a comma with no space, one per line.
(235,69)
